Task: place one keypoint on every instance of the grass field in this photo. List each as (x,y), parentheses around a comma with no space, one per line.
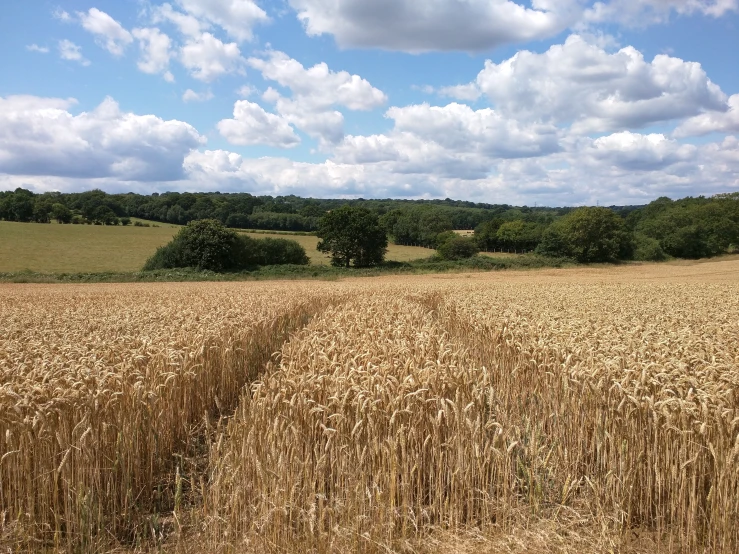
(584,410)
(56,248)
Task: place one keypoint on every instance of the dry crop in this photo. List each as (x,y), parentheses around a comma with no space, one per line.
(573,411)
(101,386)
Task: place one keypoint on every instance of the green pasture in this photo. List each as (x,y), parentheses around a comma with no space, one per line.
(54,248)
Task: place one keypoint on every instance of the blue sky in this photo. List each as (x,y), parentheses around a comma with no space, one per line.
(545,102)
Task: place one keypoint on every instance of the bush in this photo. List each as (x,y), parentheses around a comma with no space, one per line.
(280,252)
(458,248)
(444,237)
(209,245)
(648,249)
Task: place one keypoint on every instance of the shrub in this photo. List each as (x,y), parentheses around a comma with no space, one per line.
(458,248)
(648,249)
(208,245)
(280,252)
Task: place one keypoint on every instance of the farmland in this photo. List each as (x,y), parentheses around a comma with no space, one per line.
(53,248)
(579,410)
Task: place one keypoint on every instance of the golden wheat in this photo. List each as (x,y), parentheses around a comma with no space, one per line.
(588,410)
(101,386)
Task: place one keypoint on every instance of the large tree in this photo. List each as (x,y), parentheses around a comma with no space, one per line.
(352,235)
(588,235)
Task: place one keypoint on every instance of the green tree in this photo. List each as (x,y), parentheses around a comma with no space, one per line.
(352,235)
(519,235)
(61,213)
(208,244)
(458,248)
(486,234)
(588,235)
(19,205)
(201,244)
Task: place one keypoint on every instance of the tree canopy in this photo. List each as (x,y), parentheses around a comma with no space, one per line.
(588,235)
(352,235)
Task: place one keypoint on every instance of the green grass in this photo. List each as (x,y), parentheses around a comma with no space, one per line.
(87,249)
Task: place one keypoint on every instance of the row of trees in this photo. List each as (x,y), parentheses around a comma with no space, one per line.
(243,210)
(690,228)
(687,228)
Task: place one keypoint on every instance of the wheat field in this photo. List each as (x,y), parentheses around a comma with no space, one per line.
(590,410)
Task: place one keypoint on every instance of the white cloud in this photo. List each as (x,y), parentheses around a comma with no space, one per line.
(37,48)
(246,91)
(453,141)
(414,26)
(192,96)
(108,32)
(252,125)
(459,128)
(318,86)
(579,83)
(637,152)
(642,12)
(563,178)
(156,52)
(39,136)
(236,17)
(470,92)
(68,50)
(712,122)
(207,58)
(188,25)
(61,15)
(315,93)
(324,124)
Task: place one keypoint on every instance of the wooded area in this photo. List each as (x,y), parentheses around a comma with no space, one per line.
(687,228)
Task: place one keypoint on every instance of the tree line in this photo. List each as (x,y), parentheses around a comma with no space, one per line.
(687,228)
(236,210)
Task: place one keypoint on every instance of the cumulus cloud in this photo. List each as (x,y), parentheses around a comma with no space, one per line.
(562,178)
(188,25)
(459,128)
(237,17)
(156,52)
(68,50)
(252,125)
(413,26)
(40,137)
(580,83)
(637,152)
(315,92)
(318,86)
(207,57)
(453,140)
(712,122)
(107,31)
(223,170)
